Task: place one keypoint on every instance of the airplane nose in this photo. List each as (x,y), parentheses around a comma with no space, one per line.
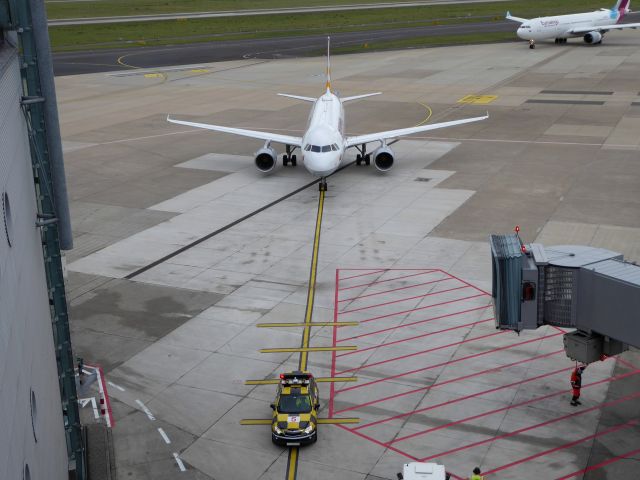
(320,164)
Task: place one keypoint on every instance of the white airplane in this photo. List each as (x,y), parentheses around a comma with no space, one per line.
(324,143)
(591,26)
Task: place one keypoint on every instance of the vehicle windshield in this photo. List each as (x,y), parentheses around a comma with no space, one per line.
(294,404)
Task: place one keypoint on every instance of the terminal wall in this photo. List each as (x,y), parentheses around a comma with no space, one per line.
(31,426)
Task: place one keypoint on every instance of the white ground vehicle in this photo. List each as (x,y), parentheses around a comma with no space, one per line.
(423,471)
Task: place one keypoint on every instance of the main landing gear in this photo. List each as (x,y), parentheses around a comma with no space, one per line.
(288,158)
(363,156)
(560,40)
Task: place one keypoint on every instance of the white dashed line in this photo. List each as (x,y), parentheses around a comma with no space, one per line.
(146,410)
(164,436)
(179,462)
(116,386)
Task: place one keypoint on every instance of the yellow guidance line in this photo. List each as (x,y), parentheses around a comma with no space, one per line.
(292,464)
(323,421)
(306,350)
(275,381)
(306,333)
(428,116)
(311,324)
(337,421)
(256,421)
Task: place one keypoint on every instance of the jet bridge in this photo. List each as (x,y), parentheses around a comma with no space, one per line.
(591,290)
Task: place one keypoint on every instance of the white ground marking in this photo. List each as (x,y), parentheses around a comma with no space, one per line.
(179,462)
(164,436)
(94,404)
(116,386)
(414,137)
(533,142)
(145,410)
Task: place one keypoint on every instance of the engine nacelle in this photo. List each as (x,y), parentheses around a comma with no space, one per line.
(593,37)
(383,158)
(266,159)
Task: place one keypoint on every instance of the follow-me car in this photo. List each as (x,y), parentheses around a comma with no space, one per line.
(295,418)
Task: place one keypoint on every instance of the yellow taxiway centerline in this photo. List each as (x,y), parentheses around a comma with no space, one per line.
(306,333)
(292,463)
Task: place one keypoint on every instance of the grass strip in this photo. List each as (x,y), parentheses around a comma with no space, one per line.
(110,8)
(80,37)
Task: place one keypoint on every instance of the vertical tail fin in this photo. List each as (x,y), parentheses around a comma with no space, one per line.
(622,5)
(620,9)
(328,63)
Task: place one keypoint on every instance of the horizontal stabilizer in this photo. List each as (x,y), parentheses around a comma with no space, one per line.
(298,97)
(508,16)
(357,97)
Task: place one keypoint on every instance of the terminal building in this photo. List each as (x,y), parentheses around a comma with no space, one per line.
(40,433)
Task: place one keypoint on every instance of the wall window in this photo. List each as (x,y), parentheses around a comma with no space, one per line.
(6,214)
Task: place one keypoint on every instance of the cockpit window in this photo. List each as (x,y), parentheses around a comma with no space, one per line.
(326,148)
(334,147)
(315,148)
(307,148)
(526,26)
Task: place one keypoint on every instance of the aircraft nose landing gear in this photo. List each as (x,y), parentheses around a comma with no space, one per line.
(532,43)
(322,186)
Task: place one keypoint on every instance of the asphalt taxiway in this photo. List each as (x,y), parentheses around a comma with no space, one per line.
(104,60)
(404,254)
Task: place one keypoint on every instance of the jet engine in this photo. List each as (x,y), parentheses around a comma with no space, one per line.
(383,158)
(266,159)
(593,37)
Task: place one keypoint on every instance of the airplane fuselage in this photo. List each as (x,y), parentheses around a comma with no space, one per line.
(323,143)
(560,26)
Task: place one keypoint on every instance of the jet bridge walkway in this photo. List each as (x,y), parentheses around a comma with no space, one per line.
(592,290)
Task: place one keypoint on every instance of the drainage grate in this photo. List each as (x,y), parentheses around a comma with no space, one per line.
(420,179)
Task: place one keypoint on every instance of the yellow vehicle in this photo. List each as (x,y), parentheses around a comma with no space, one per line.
(295,417)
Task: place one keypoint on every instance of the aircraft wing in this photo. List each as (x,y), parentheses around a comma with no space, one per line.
(402,132)
(604,28)
(273,137)
(508,16)
(357,97)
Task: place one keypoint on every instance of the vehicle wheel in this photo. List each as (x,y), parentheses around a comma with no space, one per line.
(358,159)
(532,46)
(367,160)
(294,160)
(285,160)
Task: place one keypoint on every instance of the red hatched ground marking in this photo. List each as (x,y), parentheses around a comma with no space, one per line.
(405,300)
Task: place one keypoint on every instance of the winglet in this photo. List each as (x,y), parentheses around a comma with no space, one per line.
(328,85)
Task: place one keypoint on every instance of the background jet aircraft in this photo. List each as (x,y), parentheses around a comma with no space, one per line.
(591,26)
(324,143)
